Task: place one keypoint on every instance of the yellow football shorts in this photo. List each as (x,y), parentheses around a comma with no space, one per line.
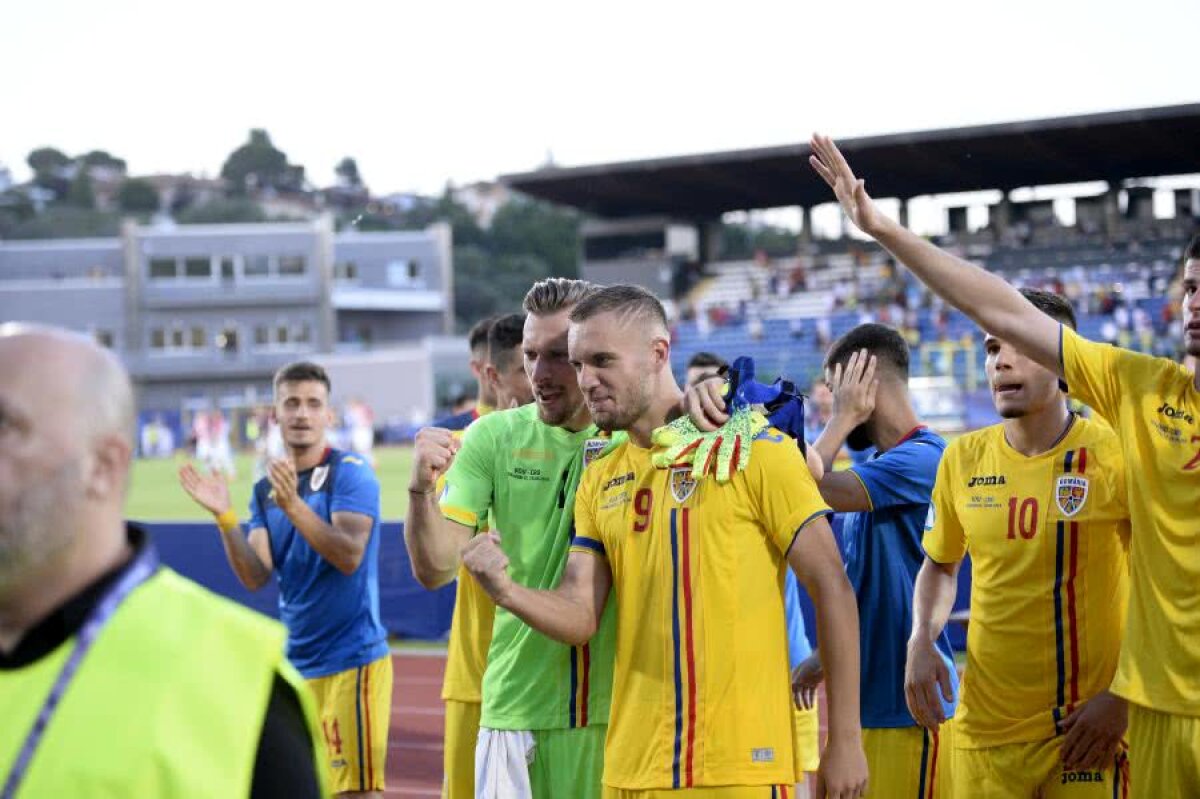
(807,740)
(723,792)
(1166,752)
(906,762)
(458,753)
(355,706)
(1033,769)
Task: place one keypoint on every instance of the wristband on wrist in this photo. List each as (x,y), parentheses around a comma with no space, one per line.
(227,522)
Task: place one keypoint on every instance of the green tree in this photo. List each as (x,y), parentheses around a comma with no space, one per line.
(549,233)
(259,164)
(49,167)
(222,212)
(101,158)
(45,160)
(64,222)
(138,197)
(80,194)
(347,170)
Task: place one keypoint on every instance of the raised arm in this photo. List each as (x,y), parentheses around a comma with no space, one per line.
(991,302)
(570,613)
(434,543)
(814,558)
(854,390)
(249,557)
(925,673)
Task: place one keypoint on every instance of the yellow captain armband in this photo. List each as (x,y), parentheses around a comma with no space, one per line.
(227,522)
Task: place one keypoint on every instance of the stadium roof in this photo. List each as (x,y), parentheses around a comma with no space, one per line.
(1111,146)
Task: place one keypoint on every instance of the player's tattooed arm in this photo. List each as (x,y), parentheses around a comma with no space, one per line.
(989,300)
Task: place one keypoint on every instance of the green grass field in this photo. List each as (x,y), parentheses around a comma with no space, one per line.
(156,495)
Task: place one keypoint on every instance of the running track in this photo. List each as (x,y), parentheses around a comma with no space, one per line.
(414,767)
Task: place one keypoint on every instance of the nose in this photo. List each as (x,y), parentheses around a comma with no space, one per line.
(539,371)
(586,377)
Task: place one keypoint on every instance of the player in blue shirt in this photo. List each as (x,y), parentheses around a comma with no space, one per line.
(314,522)
(886,500)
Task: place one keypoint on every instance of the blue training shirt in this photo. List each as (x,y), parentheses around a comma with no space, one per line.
(332,618)
(882,551)
(799,648)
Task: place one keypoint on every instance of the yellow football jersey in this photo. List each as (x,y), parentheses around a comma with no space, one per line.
(470,633)
(1048,537)
(1154,407)
(701,693)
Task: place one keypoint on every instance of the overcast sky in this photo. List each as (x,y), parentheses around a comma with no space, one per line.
(422,93)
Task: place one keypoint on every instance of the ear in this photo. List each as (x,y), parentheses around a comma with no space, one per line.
(108,470)
(661,352)
(477,367)
(492,375)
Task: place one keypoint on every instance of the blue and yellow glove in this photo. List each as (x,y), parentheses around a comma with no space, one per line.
(726,451)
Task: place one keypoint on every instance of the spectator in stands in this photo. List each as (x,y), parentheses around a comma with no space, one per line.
(703,365)
(176,692)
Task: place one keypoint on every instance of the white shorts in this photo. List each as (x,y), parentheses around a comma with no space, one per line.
(502,759)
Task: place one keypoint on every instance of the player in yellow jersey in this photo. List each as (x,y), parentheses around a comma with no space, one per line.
(1153,405)
(1039,503)
(701,705)
(471,624)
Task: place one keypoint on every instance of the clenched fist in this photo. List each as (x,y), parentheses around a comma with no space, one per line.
(488,564)
(433,453)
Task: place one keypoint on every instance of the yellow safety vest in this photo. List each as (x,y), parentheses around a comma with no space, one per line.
(169,702)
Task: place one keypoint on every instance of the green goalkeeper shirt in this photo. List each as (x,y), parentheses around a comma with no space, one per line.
(525,473)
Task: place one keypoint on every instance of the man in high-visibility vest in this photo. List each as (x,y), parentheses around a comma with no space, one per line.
(118,677)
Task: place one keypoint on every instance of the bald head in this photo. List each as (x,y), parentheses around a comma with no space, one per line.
(66,443)
(69,377)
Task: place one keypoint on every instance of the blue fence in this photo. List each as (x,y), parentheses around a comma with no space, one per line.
(407,610)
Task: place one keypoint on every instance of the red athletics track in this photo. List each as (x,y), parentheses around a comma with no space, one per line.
(414,765)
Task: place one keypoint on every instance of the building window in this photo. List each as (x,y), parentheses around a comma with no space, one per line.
(414,271)
(196,340)
(228,270)
(256,266)
(158,339)
(262,336)
(162,269)
(177,338)
(197,268)
(300,334)
(281,335)
(227,339)
(291,265)
(346,270)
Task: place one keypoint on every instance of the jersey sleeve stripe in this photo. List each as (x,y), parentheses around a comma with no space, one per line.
(867,491)
(460,515)
(583,542)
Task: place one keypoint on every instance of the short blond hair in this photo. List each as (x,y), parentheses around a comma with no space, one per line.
(555,294)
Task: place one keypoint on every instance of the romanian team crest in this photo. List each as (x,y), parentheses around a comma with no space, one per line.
(682,483)
(592,449)
(318,477)
(1071,493)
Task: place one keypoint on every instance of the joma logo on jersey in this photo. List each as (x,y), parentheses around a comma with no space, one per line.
(987,480)
(1082,776)
(619,480)
(1171,412)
